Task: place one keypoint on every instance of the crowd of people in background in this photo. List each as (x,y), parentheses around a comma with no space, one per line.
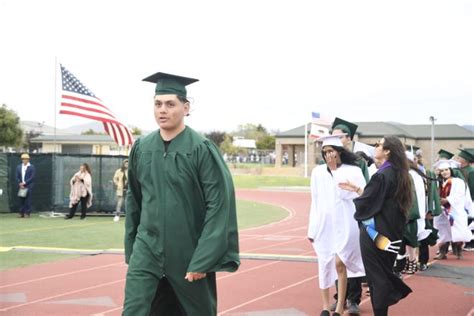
(402,208)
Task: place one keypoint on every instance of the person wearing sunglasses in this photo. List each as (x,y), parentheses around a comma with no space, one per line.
(381,211)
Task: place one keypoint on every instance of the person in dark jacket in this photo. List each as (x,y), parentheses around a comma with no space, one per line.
(381,211)
(25,177)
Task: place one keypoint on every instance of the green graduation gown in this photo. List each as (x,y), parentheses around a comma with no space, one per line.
(411,227)
(468,173)
(181,217)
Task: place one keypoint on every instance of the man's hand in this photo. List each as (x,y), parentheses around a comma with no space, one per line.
(383,243)
(194,276)
(443,201)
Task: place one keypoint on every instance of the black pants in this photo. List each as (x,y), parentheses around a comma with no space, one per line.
(354,290)
(424,252)
(83,201)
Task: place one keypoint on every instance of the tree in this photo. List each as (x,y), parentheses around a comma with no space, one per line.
(136,131)
(12,134)
(216,137)
(227,146)
(27,144)
(256,132)
(90,131)
(266,142)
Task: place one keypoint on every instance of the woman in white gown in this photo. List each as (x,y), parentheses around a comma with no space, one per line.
(332,229)
(452,223)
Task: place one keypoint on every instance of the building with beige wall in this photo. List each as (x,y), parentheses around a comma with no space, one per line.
(290,145)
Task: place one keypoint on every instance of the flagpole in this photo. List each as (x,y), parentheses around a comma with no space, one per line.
(305,150)
(55,145)
(55,98)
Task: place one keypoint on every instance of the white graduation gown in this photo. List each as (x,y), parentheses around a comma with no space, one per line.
(422,232)
(332,225)
(459,231)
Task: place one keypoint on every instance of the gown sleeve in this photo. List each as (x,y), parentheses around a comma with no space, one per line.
(134,201)
(371,201)
(217,248)
(312,213)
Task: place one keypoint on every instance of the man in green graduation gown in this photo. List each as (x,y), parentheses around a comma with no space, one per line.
(465,158)
(354,284)
(181,225)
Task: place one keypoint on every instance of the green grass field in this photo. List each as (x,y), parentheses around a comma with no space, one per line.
(253,181)
(93,233)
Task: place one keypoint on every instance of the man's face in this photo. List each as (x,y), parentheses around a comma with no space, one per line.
(462,161)
(170,112)
(25,161)
(346,140)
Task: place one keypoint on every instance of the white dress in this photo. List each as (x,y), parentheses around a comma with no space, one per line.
(331,223)
(459,231)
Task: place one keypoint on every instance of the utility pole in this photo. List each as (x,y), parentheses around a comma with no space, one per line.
(432,119)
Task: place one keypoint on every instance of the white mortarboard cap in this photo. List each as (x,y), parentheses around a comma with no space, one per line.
(332,140)
(410,156)
(445,164)
(367,149)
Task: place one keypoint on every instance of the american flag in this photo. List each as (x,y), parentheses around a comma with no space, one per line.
(78,100)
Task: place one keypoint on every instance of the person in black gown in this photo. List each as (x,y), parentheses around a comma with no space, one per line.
(381,211)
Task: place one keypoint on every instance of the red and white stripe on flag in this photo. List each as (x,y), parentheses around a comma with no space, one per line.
(78,100)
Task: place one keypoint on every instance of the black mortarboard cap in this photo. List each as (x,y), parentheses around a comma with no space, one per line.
(345,126)
(170,84)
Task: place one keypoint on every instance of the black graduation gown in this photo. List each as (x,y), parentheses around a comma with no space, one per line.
(378,202)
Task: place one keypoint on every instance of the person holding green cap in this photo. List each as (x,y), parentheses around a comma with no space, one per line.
(180,225)
(465,158)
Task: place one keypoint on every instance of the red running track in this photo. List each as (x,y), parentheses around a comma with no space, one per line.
(93,285)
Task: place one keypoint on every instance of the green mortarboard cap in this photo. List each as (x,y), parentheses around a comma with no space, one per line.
(170,84)
(445,154)
(463,153)
(345,126)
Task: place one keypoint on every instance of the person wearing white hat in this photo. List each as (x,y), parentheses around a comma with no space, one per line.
(25,177)
(452,223)
(332,229)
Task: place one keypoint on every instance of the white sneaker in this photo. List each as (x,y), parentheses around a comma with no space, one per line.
(116,218)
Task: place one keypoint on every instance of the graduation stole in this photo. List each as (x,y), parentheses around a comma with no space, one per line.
(444,191)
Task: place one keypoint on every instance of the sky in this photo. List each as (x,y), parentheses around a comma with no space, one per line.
(261,62)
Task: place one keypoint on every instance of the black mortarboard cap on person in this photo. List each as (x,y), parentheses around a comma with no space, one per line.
(170,84)
(445,154)
(345,126)
(466,155)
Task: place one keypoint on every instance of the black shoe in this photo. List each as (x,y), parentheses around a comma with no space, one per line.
(423,266)
(353,308)
(67,217)
(325,313)
(332,308)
